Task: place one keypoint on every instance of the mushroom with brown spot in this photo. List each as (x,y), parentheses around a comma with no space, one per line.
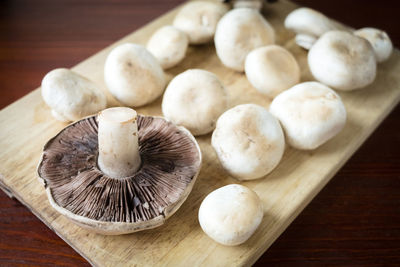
(119,172)
(70,95)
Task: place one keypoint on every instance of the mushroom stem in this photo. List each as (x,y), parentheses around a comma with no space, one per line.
(118,142)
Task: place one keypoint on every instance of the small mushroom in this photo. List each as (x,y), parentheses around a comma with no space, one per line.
(70,95)
(195,99)
(168,45)
(231,214)
(199,19)
(379,40)
(118,172)
(249,141)
(239,32)
(309,25)
(272,69)
(310,114)
(342,60)
(133,75)
(256,4)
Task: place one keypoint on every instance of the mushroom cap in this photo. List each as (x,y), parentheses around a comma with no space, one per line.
(249,141)
(379,40)
(171,160)
(70,95)
(309,22)
(310,114)
(199,19)
(272,69)
(239,32)
(342,60)
(231,214)
(133,75)
(255,4)
(168,45)
(195,99)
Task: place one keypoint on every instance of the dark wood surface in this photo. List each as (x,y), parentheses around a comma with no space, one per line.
(354,220)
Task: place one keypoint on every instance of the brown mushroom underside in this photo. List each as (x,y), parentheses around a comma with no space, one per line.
(170,160)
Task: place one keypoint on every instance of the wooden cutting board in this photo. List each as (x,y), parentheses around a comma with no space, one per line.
(27,124)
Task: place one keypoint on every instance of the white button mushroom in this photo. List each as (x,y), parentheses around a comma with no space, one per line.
(310,114)
(342,60)
(309,25)
(168,45)
(239,32)
(379,40)
(256,4)
(70,95)
(272,69)
(199,19)
(133,76)
(231,214)
(195,99)
(249,141)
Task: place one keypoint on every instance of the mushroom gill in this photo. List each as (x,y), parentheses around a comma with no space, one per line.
(170,163)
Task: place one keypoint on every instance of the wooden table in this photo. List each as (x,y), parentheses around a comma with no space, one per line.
(355,219)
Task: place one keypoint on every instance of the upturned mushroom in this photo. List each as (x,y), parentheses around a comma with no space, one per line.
(133,75)
(310,114)
(271,69)
(239,32)
(168,45)
(249,141)
(118,172)
(231,214)
(379,40)
(70,95)
(342,60)
(309,25)
(198,19)
(195,99)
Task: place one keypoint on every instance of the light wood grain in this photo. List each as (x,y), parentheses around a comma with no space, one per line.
(27,124)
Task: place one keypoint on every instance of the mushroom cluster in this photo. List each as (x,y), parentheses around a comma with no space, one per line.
(119,172)
(194,24)
(339,57)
